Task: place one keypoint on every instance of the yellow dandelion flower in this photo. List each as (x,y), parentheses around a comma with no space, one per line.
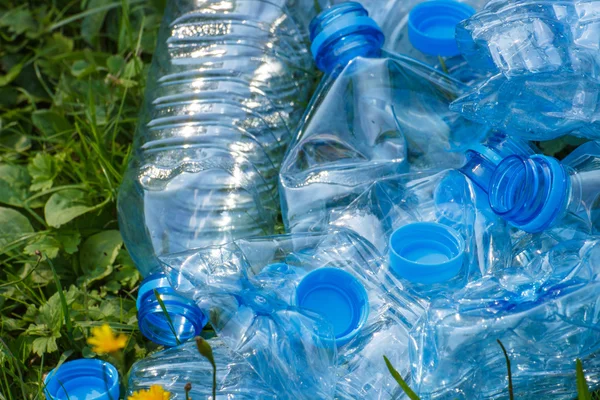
(154,393)
(104,340)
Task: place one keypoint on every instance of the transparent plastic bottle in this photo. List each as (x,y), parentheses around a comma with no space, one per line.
(173,368)
(318,307)
(544,57)
(544,327)
(228,84)
(375,114)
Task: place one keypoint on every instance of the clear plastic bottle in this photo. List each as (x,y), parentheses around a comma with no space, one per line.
(173,368)
(544,57)
(228,84)
(544,327)
(318,307)
(375,114)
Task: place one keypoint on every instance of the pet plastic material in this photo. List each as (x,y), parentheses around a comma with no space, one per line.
(226,89)
(545,325)
(173,368)
(544,61)
(262,293)
(375,114)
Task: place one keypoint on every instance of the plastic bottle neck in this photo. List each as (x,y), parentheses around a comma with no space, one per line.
(185,320)
(342,33)
(482,159)
(530,193)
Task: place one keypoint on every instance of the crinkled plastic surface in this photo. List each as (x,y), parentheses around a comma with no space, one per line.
(172,369)
(248,290)
(374,118)
(544,327)
(446,197)
(545,56)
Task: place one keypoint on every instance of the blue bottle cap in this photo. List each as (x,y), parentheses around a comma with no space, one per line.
(84,379)
(187,320)
(432,24)
(426,252)
(338,297)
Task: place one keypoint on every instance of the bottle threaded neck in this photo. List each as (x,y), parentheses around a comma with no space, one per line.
(530,193)
(341,33)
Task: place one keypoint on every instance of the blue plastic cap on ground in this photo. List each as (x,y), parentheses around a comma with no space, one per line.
(84,379)
(432,25)
(187,320)
(338,297)
(426,252)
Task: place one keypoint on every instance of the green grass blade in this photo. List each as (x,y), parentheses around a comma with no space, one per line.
(205,350)
(412,395)
(583,392)
(63,302)
(167,316)
(511,394)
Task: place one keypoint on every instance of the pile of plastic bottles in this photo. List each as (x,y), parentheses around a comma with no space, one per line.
(421,224)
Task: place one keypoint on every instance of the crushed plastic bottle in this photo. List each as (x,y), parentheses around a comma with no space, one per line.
(173,368)
(436,229)
(311,306)
(545,59)
(375,114)
(539,193)
(544,327)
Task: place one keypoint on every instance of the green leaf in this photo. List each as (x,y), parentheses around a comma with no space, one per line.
(65,206)
(412,395)
(98,253)
(13,225)
(69,240)
(92,23)
(14,185)
(18,20)
(82,68)
(583,392)
(43,345)
(11,75)
(115,64)
(43,168)
(48,245)
(50,123)
(14,141)
(58,44)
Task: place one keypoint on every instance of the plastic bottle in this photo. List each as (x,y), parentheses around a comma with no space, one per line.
(544,327)
(227,85)
(482,159)
(540,193)
(545,63)
(375,114)
(173,368)
(318,307)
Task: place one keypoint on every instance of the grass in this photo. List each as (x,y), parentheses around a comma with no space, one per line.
(71,84)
